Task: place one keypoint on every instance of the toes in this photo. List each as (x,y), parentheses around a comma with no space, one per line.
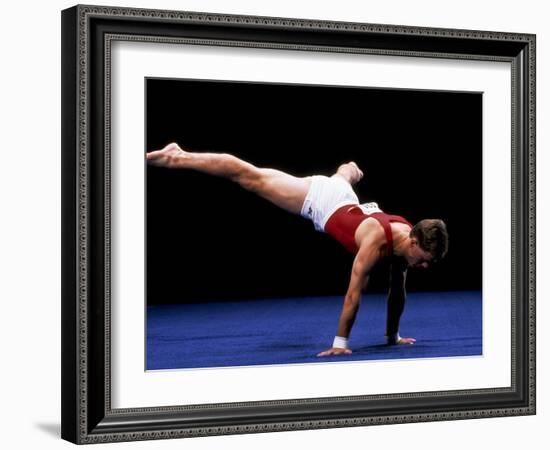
(154,155)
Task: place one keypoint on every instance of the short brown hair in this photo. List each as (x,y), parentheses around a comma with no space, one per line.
(432,237)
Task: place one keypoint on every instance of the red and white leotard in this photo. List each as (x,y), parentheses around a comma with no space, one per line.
(343,223)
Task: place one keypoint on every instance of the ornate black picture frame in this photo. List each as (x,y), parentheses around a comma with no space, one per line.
(87,412)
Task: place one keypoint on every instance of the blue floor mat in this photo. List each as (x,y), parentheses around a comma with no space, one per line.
(294,330)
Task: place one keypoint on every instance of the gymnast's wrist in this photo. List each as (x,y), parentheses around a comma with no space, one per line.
(393,338)
(340,342)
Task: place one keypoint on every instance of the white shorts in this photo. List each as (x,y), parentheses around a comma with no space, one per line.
(326,195)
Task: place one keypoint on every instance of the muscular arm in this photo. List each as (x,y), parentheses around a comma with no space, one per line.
(366,258)
(396,304)
(359,279)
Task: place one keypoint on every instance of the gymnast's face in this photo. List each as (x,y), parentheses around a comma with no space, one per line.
(417,257)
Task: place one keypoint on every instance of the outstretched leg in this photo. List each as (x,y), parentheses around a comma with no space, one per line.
(284,190)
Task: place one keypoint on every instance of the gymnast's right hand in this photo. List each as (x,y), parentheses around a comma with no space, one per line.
(334,351)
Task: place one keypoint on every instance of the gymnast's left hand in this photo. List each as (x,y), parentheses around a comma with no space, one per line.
(406,341)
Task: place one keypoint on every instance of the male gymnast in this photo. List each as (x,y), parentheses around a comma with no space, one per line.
(334,208)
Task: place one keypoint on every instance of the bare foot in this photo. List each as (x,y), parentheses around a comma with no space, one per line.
(171,156)
(350,172)
(358,173)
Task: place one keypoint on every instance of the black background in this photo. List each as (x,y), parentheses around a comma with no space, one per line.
(210,240)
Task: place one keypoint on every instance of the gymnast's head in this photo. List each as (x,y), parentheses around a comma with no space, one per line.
(429,243)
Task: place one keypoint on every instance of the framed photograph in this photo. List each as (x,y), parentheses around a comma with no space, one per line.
(280,224)
(248,308)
